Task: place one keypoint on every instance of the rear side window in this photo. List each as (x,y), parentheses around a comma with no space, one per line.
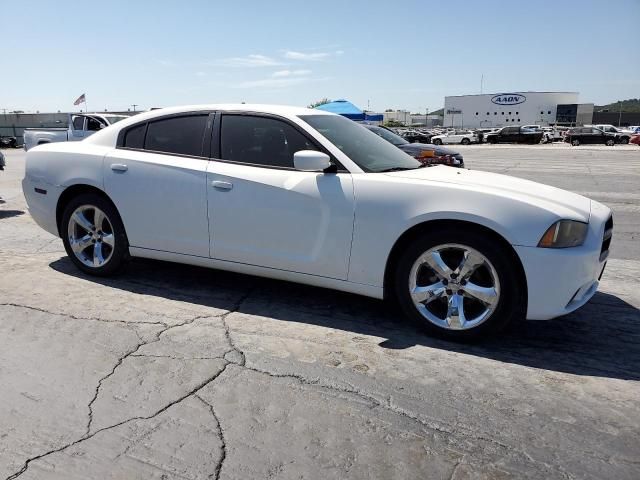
(78,123)
(181,135)
(260,141)
(134,138)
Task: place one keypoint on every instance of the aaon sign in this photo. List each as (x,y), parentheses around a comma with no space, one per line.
(508,99)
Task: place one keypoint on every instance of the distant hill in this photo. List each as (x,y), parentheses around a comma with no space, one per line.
(631,105)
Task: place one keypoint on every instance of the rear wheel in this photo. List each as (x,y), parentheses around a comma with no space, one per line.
(465,141)
(575,142)
(458,284)
(93,235)
(610,143)
(624,140)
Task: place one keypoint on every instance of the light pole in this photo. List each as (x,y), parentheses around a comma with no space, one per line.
(134,105)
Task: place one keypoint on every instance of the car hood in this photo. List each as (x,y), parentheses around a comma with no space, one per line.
(561,202)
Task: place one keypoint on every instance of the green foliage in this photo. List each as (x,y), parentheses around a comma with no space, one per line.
(319,102)
(630,105)
(393,123)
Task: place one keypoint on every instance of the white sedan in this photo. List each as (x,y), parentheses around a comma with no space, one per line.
(311,197)
(463,137)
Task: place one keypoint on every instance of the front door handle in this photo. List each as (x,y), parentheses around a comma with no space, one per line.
(118,167)
(220,185)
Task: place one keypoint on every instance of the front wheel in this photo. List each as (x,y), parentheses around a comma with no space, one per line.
(575,142)
(458,284)
(624,140)
(93,235)
(437,141)
(610,143)
(465,141)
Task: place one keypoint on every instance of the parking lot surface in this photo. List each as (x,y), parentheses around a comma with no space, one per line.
(176,372)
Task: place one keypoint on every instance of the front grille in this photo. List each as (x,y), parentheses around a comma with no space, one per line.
(606,239)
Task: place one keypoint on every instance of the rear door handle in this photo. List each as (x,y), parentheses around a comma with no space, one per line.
(118,167)
(220,185)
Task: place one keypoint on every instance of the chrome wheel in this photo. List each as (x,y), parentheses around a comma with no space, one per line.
(90,235)
(454,286)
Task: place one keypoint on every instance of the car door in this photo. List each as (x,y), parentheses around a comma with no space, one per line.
(264,212)
(77,127)
(157,178)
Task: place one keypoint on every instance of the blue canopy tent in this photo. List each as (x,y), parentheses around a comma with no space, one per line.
(348,110)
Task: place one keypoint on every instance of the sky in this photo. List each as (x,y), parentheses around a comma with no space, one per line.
(377,54)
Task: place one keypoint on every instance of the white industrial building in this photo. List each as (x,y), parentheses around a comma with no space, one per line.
(503,109)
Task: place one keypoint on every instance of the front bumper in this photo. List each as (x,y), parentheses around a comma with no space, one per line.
(560,281)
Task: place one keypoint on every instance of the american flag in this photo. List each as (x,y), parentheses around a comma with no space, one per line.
(81,99)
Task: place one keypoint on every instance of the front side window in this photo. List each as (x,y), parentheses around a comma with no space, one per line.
(93,125)
(260,141)
(366,149)
(182,135)
(389,136)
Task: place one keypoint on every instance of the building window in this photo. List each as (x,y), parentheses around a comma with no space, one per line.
(502,113)
(517,113)
(518,120)
(476,113)
(487,113)
(549,112)
(509,113)
(495,113)
(541,113)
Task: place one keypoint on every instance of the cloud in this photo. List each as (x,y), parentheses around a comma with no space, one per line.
(277,82)
(253,60)
(290,73)
(306,57)
(201,74)
(166,63)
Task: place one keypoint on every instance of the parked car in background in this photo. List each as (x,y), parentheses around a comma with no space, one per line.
(553,134)
(515,135)
(621,135)
(312,197)
(3,163)
(634,129)
(416,136)
(589,135)
(8,142)
(635,139)
(463,137)
(79,127)
(425,153)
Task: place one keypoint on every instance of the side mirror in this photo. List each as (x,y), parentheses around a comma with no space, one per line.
(311,161)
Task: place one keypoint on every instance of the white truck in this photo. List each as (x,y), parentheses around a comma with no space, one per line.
(80,126)
(622,135)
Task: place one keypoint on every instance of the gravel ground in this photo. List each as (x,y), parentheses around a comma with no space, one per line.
(175,372)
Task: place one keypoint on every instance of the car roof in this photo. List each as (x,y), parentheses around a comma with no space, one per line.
(107,136)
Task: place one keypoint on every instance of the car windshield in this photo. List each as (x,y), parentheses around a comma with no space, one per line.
(369,151)
(388,135)
(115,118)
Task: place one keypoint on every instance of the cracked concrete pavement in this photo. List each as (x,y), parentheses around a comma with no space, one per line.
(175,372)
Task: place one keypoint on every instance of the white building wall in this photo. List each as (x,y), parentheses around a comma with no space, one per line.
(504,109)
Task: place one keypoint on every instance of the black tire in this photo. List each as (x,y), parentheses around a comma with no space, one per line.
(437,141)
(119,254)
(624,140)
(511,306)
(575,142)
(610,143)
(465,141)
(493,141)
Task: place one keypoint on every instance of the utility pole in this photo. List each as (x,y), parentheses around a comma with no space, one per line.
(134,105)
(620,115)
(481,82)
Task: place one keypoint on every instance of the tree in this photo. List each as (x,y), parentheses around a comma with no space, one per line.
(324,101)
(393,123)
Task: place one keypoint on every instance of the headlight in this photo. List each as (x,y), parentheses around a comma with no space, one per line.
(564,234)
